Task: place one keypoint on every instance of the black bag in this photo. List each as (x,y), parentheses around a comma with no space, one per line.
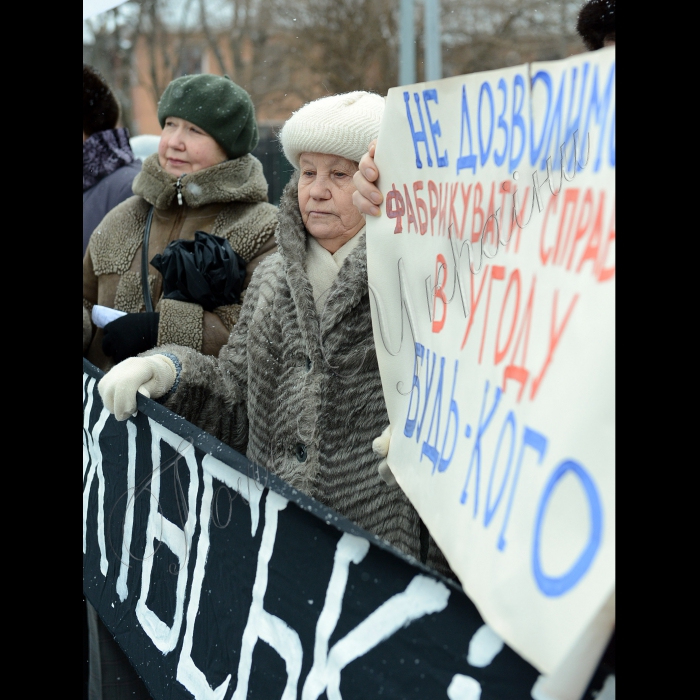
(205,271)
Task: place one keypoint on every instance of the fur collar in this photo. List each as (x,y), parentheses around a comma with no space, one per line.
(238,180)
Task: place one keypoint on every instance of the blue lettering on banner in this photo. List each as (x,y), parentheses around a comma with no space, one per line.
(517,123)
(470,160)
(490,510)
(485,152)
(445,434)
(553,586)
(482,427)
(538,442)
(544,77)
(417,136)
(598,106)
(410,425)
(498,158)
(435,130)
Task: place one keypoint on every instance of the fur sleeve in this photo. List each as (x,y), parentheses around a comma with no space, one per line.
(212,393)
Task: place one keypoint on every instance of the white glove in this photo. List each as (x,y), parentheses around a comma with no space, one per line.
(380,446)
(152,376)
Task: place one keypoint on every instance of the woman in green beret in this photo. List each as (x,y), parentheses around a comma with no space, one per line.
(203,178)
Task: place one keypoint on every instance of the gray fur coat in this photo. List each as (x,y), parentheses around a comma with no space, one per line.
(301,394)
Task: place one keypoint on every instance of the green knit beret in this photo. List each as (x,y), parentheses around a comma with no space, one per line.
(216,104)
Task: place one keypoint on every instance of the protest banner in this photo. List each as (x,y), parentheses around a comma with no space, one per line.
(491,272)
(192,555)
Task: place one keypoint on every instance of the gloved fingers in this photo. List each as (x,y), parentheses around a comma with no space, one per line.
(380,445)
(119,386)
(106,390)
(162,378)
(124,401)
(386,473)
(144,391)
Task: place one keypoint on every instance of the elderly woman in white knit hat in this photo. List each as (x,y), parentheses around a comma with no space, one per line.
(297,388)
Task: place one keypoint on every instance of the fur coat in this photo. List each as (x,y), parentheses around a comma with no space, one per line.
(299,392)
(227,200)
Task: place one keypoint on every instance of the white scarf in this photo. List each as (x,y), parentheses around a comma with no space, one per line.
(322,267)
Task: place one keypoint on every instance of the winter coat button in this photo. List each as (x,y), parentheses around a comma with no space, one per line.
(301,452)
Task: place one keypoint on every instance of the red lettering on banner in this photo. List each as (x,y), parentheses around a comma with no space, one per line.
(593,243)
(410,214)
(607,273)
(564,232)
(476,208)
(519,372)
(465,205)
(554,338)
(491,224)
(474,304)
(421,206)
(433,190)
(514,279)
(498,272)
(440,264)
(513,223)
(457,232)
(551,206)
(395,208)
(582,225)
(442,213)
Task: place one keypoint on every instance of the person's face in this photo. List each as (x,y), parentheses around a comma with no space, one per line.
(186,148)
(325,199)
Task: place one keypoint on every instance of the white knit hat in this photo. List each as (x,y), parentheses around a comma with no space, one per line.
(340,125)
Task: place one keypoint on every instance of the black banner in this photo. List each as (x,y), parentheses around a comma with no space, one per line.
(219,581)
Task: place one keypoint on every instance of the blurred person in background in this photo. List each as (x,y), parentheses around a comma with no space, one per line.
(109,164)
(203,183)
(596,24)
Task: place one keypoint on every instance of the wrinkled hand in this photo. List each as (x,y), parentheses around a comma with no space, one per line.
(152,376)
(367,196)
(131,334)
(380,447)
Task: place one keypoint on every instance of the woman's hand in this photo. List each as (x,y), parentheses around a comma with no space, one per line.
(367,196)
(380,447)
(152,376)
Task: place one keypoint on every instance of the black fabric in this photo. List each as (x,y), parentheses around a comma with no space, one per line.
(249,528)
(205,271)
(129,335)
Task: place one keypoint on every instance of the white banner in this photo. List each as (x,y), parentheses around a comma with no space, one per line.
(492,270)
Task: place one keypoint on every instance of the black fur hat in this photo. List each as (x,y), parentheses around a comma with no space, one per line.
(596,20)
(100,106)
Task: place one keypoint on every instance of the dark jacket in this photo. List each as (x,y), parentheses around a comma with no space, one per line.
(109,167)
(105,195)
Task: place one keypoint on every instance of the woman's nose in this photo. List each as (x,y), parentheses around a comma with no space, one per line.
(176,140)
(319,189)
